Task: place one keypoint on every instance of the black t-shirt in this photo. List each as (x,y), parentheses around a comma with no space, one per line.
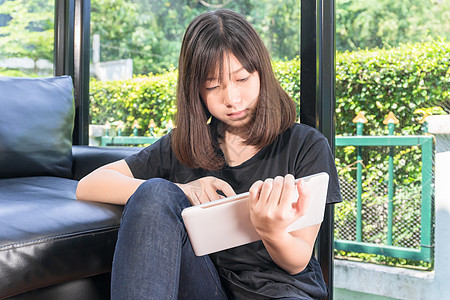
(248,272)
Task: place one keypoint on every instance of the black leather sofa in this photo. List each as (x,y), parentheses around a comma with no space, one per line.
(51,245)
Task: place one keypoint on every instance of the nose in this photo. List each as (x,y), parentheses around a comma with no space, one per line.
(232,95)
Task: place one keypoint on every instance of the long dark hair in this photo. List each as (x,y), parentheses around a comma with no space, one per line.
(208,37)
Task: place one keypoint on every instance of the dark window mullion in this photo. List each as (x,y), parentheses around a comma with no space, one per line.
(63,45)
(318,101)
(72,52)
(81,70)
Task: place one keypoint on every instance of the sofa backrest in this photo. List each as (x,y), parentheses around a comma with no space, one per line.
(36,125)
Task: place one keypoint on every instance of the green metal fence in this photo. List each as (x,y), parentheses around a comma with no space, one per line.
(118,140)
(421,252)
(127,140)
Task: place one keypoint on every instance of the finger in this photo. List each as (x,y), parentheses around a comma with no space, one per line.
(193,191)
(288,192)
(266,190)
(197,194)
(210,193)
(303,198)
(255,191)
(223,186)
(194,198)
(278,184)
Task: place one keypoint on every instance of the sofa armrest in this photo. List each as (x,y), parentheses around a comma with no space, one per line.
(88,158)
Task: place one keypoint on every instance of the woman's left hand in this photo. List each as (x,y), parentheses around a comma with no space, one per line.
(274,205)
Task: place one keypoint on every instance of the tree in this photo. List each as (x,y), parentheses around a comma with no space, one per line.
(29,29)
(115,21)
(362,24)
(161,28)
(278,24)
(150,32)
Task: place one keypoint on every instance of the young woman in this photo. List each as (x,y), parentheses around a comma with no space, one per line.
(235,132)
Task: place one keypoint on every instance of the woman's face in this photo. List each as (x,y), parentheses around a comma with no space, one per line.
(234,97)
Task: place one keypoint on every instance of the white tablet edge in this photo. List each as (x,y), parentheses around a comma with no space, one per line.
(241,196)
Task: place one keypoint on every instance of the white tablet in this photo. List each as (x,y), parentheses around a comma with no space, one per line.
(225,223)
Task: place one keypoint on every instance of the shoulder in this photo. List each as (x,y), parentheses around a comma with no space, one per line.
(307,148)
(299,143)
(161,145)
(299,128)
(303,134)
(165,142)
(151,158)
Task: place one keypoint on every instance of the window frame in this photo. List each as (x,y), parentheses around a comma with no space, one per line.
(72,53)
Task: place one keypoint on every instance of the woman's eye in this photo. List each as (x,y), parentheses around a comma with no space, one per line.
(243,79)
(211,88)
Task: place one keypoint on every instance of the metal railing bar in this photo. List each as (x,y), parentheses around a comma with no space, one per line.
(423,253)
(412,140)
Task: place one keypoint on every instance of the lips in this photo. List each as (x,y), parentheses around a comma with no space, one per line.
(238,114)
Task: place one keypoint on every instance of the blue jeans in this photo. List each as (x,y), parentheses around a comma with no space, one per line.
(154,258)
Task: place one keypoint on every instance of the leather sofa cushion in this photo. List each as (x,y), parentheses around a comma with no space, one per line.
(36,124)
(48,237)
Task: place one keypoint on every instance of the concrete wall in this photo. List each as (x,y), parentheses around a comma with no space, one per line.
(42,66)
(113,70)
(355,280)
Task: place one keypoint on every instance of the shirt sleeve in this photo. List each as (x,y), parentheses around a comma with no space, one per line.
(152,161)
(316,157)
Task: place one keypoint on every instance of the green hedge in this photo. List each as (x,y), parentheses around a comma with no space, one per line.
(404,80)
(142,98)
(400,80)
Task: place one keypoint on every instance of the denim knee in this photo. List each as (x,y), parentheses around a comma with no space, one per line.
(157,195)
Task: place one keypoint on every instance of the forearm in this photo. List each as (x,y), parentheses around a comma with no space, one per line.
(106,185)
(289,252)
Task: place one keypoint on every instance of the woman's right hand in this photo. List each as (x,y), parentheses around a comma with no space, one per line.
(204,190)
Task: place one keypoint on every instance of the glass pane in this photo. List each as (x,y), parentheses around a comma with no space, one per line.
(392,67)
(26,37)
(135,48)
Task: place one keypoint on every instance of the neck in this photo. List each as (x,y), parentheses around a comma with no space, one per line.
(234,148)
(228,133)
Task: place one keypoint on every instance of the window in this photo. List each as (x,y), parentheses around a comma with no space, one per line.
(135,48)
(391,58)
(26,37)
